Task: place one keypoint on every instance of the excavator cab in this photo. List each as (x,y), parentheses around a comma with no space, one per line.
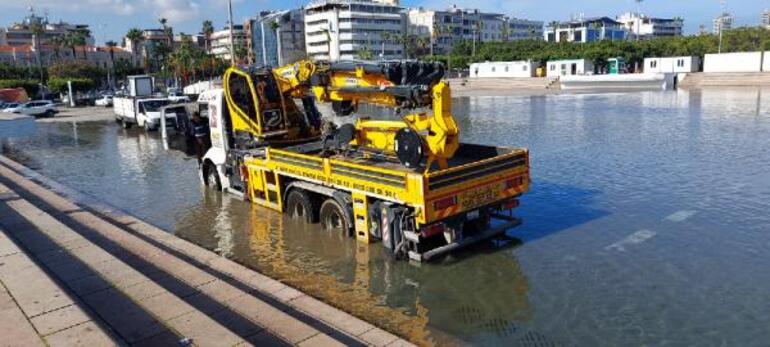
(260,113)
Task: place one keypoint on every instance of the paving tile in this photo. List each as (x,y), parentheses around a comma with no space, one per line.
(130,321)
(60,319)
(265,338)
(331,315)
(320,340)
(166,306)
(143,290)
(70,270)
(401,343)
(273,319)
(14,327)
(163,339)
(236,323)
(287,294)
(34,292)
(378,337)
(204,331)
(221,290)
(265,284)
(7,246)
(88,285)
(119,274)
(194,276)
(87,335)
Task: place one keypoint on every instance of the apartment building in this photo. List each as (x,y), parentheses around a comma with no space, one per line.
(723,22)
(766,19)
(20,34)
(352,29)
(642,26)
(586,30)
(277,37)
(448,27)
(220,40)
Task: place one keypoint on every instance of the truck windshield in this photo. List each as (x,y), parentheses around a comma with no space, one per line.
(153,105)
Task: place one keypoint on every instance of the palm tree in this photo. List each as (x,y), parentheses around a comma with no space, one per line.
(169,31)
(384,38)
(505,30)
(57,42)
(476,31)
(421,43)
(111,45)
(436,33)
(207,30)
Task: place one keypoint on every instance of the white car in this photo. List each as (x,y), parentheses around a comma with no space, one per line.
(37,108)
(177,97)
(105,101)
(10,107)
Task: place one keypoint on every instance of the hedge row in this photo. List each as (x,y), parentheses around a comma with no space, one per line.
(30,86)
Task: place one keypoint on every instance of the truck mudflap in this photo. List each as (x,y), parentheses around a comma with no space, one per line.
(509,223)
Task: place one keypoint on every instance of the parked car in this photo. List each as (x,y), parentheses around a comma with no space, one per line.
(37,108)
(176,96)
(105,101)
(10,106)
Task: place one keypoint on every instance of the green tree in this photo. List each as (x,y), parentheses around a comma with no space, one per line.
(207,29)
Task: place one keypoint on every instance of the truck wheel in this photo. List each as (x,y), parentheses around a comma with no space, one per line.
(299,205)
(148,127)
(211,177)
(125,124)
(333,217)
(49,113)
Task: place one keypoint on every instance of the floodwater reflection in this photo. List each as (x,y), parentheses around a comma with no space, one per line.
(646,224)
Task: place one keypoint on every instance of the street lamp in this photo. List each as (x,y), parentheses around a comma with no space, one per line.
(721,23)
(232,38)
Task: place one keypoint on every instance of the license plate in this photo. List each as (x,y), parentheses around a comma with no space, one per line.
(472,215)
(479,197)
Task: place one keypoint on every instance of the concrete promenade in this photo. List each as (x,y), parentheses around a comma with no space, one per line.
(77,274)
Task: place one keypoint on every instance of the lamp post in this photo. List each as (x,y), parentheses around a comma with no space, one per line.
(232,37)
(721,23)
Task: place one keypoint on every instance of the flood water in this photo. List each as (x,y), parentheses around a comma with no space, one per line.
(648,223)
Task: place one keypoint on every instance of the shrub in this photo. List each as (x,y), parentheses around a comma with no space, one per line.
(59,85)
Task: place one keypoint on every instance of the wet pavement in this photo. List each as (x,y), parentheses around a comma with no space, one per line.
(646,224)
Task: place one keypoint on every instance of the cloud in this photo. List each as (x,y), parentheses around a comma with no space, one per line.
(176,11)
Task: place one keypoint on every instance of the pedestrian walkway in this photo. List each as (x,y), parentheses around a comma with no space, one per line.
(75,275)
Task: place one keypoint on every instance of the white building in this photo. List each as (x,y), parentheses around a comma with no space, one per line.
(20,34)
(504,69)
(353,29)
(766,19)
(725,21)
(523,29)
(277,38)
(448,27)
(570,67)
(586,30)
(672,64)
(643,26)
(220,41)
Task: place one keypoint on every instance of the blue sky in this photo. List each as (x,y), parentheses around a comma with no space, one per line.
(110,19)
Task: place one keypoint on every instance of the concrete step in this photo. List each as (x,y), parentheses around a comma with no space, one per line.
(192,293)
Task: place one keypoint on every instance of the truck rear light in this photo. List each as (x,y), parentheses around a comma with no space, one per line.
(514,182)
(444,203)
(511,204)
(433,230)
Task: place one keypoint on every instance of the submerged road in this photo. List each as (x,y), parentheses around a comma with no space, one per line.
(79,274)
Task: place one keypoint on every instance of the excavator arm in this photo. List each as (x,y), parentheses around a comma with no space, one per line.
(411,86)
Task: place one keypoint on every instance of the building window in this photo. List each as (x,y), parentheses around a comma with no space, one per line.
(506,68)
(654,64)
(524,68)
(493,69)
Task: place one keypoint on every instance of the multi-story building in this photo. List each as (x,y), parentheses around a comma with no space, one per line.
(723,22)
(586,30)
(353,29)
(277,37)
(642,26)
(220,41)
(766,19)
(20,34)
(446,28)
(523,29)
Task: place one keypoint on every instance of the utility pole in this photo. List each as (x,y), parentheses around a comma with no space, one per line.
(639,18)
(721,23)
(232,37)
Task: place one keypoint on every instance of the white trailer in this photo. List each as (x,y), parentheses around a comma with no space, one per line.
(504,69)
(572,67)
(672,65)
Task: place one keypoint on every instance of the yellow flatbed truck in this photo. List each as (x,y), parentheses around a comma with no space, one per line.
(418,213)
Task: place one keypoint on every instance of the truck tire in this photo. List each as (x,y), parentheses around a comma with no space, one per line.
(125,124)
(148,127)
(333,217)
(299,205)
(211,177)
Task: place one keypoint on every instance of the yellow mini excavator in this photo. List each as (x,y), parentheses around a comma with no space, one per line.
(426,134)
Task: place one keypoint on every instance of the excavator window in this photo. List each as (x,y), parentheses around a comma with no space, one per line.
(241,95)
